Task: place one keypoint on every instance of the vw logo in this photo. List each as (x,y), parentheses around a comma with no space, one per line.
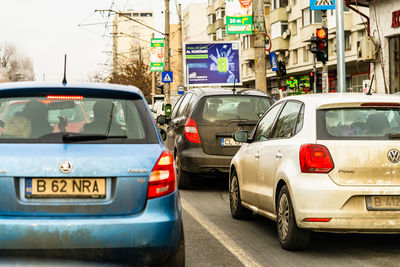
(65,166)
(394,156)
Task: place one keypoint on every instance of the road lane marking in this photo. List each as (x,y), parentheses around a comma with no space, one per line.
(224,239)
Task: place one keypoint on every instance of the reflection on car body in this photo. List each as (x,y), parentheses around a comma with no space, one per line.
(321,163)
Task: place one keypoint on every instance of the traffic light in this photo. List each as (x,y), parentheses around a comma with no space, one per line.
(318,76)
(319,44)
(311,80)
(282,68)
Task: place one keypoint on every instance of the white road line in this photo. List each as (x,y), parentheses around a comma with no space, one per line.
(225,240)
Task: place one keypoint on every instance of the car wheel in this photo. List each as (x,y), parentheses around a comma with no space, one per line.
(290,236)
(184,179)
(178,259)
(237,210)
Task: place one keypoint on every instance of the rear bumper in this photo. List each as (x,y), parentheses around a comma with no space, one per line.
(194,160)
(153,234)
(317,196)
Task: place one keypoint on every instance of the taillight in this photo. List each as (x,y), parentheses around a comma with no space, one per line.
(191,132)
(162,178)
(315,158)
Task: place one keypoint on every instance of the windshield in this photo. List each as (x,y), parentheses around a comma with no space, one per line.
(40,119)
(222,108)
(358,123)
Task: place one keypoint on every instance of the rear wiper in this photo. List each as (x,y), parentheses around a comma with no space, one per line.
(394,135)
(77,137)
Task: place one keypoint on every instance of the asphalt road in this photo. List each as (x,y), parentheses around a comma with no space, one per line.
(214,238)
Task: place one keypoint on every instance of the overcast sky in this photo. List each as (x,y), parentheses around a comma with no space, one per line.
(45,30)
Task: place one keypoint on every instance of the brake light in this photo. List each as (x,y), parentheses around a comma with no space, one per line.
(65,97)
(317,219)
(315,159)
(380,104)
(191,132)
(162,178)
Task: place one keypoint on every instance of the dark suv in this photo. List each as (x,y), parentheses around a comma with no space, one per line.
(202,122)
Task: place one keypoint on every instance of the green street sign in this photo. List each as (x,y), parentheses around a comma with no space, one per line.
(239,16)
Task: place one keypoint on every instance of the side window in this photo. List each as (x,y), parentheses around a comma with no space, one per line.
(300,120)
(265,126)
(285,125)
(192,102)
(176,107)
(183,105)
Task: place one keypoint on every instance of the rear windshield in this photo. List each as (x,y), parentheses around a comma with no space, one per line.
(358,123)
(243,107)
(46,119)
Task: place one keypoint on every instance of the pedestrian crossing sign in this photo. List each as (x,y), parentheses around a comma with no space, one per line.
(322,4)
(167,77)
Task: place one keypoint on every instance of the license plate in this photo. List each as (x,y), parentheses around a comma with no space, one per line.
(65,188)
(383,202)
(229,142)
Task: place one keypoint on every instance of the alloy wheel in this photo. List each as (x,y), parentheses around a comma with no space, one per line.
(283,217)
(234,193)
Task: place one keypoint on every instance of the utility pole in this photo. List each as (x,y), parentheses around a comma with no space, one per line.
(180,41)
(166,47)
(341,63)
(325,78)
(259,45)
(153,81)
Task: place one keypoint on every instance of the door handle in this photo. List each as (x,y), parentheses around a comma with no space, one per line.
(278,155)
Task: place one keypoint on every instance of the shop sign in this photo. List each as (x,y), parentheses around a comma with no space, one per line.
(396,19)
(239,16)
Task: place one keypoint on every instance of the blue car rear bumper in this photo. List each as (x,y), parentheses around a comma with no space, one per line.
(158,226)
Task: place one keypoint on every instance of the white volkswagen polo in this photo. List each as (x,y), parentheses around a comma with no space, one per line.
(326,162)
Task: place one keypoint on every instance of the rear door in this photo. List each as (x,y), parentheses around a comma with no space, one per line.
(218,117)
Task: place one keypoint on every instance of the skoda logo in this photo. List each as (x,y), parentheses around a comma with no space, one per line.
(65,166)
(394,156)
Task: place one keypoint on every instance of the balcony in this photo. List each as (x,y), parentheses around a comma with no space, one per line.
(219,4)
(210,10)
(231,37)
(279,14)
(279,44)
(219,24)
(210,29)
(248,54)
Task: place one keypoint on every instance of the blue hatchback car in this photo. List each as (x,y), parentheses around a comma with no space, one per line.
(84,174)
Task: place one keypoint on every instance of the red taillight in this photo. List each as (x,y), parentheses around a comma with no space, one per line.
(381,104)
(317,219)
(191,132)
(65,97)
(162,178)
(315,158)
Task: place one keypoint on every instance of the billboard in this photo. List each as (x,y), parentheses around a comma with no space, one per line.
(239,19)
(212,63)
(157,54)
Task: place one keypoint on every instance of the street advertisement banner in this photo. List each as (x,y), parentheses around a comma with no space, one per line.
(239,19)
(212,63)
(157,54)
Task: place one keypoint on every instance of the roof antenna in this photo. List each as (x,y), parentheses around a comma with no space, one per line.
(370,85)
(64,82)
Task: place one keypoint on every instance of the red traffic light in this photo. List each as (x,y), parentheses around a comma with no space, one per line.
(321,45)
(321,33)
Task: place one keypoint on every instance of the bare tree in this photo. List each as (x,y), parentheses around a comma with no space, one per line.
(15,66)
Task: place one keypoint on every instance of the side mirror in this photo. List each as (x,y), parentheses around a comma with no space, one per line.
(162,119)
(240,136)
(163,134)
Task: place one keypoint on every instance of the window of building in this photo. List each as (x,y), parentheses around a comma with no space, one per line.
(266,10)
(294,27)
(211,19)
(278,28)
(220,34)
(213,37)
(317,16)
(305,55)
(146,14)
(295,57)
(347,40)
(357,81)
(210,2)
(306,17)
(394,67)
(279,3)
(220,13)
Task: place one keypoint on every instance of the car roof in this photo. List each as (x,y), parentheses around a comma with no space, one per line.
(340,99)
(227,91)
(83,85)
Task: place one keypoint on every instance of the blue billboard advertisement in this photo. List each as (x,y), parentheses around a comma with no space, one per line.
(213,63)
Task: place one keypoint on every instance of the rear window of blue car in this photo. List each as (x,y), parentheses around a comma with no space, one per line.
(75,118)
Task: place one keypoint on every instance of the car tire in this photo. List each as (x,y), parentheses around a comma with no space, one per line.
(184,179)
(178,258)
(290,236)
(237,210)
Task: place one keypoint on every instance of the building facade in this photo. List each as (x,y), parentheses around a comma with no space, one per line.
(131,39)
(195,23)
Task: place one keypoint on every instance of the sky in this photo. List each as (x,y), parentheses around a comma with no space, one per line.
(45,30)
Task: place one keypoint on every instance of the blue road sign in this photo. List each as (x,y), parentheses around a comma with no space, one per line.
(274,63)
(167,77)
(322,4)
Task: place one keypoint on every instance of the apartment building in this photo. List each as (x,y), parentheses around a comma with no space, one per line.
(130,38)
(195,23)
(216,22)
